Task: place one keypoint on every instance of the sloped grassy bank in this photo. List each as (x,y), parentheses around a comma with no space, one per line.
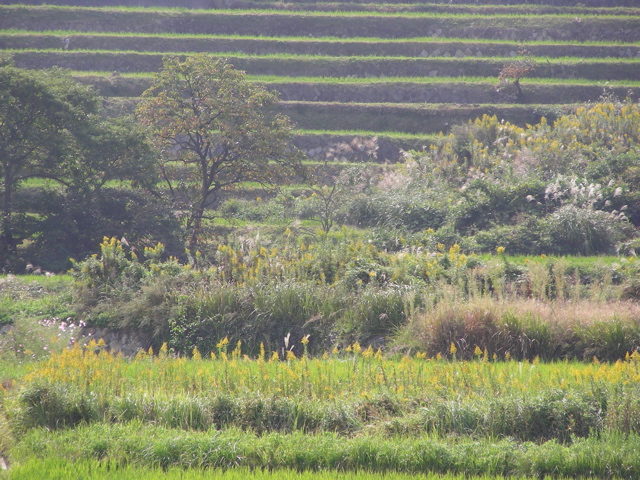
(260,294)
(446,90)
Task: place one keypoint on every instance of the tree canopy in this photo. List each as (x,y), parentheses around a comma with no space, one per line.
(213,130)
(51,128)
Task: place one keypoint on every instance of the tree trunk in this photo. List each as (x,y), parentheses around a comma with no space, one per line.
(196,225)
(516,82)
(8,243)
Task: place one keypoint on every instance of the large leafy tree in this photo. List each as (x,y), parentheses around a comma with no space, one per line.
(51,128)
(37,111)
(213,130)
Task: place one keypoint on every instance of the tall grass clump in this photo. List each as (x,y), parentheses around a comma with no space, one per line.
(525,329)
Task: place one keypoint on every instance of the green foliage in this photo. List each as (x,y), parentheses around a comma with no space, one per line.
(62,138)
(522,238)
(339,289)
(37,111)
(72,223)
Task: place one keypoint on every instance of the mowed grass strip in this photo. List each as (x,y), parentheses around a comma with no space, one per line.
(322,24)
(479,12)
(431,47)
(306,39)
(309,65)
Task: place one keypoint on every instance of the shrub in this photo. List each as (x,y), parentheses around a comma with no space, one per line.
(515,70)
(522,238)
(55,406)
(584,231)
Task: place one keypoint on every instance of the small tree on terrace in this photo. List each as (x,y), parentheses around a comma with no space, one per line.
(515,70)
(212,130)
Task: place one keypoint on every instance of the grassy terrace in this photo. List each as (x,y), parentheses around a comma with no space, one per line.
(338,64)
(424,47)
(389,89)
(474,9)
(311,65)
(268,23)
(410,118)
(403,6)
(145,78)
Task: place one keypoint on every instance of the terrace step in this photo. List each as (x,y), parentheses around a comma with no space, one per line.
(482,3)
(386,5)
(362,67)
(443,8)
(386,92)
(270,23)
(413,119)
(299,46)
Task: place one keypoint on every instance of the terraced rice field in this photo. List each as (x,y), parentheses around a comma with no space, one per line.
(398,71)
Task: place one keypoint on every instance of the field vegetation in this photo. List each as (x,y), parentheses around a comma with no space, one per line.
(349,410)
(441,280)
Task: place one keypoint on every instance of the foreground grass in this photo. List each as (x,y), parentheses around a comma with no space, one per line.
(139,445)
(355,393)
(362,373)
(349,411)
(59,469)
